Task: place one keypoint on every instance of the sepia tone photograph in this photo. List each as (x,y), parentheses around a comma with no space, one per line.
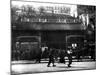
(52,37)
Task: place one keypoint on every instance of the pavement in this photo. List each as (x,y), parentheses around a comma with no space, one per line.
(29,67)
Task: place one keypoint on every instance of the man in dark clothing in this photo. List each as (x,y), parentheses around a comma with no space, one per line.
(69,54)
(62,56)
(38,57)
(51,57)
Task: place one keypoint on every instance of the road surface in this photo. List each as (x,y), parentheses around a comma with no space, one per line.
(31,68)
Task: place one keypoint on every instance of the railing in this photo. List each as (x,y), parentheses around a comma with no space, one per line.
(50,20)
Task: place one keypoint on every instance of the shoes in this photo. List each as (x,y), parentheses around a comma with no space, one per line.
(69,66)
(54,65)
(48,66)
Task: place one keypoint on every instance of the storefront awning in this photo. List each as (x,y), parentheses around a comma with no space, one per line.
(47,26)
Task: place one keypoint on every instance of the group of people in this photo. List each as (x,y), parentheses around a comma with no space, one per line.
(52,56)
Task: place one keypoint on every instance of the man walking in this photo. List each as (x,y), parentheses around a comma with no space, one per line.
(51,57)
(69,54)
(62,56)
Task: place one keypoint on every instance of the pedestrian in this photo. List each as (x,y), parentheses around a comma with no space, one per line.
(51,57)
(39,56)
(69,54)
(62,56)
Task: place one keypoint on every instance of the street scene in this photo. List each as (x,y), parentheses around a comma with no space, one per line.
(52,37)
